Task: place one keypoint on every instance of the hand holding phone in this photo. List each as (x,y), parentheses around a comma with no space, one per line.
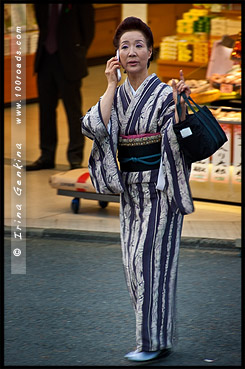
(118,70)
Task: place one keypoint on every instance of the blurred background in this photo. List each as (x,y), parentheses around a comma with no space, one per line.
(202,39)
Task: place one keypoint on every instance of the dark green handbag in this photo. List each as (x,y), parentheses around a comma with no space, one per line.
(200,134)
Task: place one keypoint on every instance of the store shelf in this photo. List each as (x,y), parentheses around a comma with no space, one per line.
(228,13)
(168,69)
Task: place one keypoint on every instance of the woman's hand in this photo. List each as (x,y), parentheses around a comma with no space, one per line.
(177,89)
(180,87)
(111,70)
(108,97)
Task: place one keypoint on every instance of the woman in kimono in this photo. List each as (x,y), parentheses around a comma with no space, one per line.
(135,121)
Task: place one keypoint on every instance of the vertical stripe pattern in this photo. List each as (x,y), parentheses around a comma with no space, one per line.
(150,237)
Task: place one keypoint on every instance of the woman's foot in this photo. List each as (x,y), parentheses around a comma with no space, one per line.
(147,356)
(132,353)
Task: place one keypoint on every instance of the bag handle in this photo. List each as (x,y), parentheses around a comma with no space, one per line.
(179,110)
(200,117)
(191,107)
(187,102)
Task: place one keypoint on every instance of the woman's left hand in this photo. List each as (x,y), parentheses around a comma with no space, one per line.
(180,87)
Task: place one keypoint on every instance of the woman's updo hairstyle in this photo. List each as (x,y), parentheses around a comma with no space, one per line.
(134,24)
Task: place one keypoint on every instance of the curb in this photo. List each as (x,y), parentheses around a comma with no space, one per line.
(110,237)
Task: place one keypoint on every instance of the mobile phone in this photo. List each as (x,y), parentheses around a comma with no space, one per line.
(118,70)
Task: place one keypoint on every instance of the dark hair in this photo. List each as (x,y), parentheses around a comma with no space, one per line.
(134,24)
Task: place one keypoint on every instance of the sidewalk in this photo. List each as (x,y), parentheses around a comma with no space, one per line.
(47,210)
(114,237)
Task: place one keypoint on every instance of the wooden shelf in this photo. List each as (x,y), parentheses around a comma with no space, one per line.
(107,19)
(228,13)
(167,69)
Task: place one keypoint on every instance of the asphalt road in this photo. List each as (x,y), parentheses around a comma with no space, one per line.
(72,308)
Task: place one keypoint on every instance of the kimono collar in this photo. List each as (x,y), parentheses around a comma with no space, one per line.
(132,89)
(140,86)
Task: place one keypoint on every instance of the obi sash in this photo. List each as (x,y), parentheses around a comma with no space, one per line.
(138,153)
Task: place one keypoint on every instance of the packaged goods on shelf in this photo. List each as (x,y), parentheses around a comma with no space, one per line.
(200,36)
(168,56)
(190,16)
(202,59)
(222,26)
(168,48)
(13,46)
(184,30)
(7,40)
(218,26)
(233,26)
(201,47)
(10,45)
(202,91)
(185,49)
(192,48)
(24,43)
(184,26)
(216,8)
(226,115)
(198,86)
(198,11)
(33,40)
(184,57)
(185,23)
(201,52)
(232,78)
(29,42)
(202,24)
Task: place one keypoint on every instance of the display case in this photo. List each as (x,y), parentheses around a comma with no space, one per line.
(188,46)
(198,46)
(218,178)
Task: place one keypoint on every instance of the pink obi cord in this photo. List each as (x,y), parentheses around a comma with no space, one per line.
(141,135)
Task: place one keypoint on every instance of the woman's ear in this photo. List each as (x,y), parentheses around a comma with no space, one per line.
(150,52)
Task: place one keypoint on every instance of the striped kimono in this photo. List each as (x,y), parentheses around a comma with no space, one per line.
(150,218)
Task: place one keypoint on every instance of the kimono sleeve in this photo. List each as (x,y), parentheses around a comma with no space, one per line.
(177,173)
(103,168)
(174,168)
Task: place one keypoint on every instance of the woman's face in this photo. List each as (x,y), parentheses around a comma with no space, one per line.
(133,51)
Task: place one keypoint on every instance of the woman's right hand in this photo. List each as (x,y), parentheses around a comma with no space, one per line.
(108,97)
(111,70)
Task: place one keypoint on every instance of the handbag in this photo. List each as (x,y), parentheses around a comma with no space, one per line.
(200,134)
